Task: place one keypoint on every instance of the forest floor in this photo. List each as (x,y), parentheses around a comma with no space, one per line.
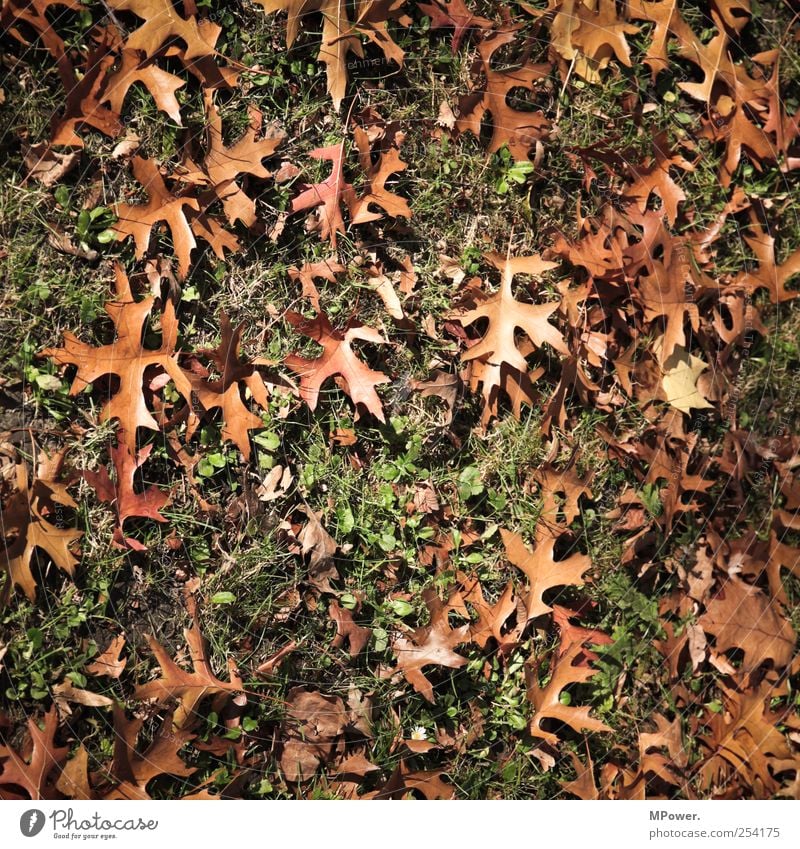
(536,536)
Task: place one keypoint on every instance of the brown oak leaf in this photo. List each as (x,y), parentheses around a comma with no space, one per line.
(83,100)
(348,630)
(741,616)
(455,15)
(431,645)
(519,130)
(188,688)
(121,493)
(547,699)
(340,36)
(338,358)
(161,23)
(127,358)
(652,176)
(540,567)
(27,525)
(326,269)
(388,163)
(221,165)
(225,392)
(33,14)
(312,732)
(744,743)
(134,770)
(499,351)
(493,619)
(32,773)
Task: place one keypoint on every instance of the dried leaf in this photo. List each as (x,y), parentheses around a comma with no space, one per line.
(432,645)
(127,358)
(338,358)
(109,663)
(187,688)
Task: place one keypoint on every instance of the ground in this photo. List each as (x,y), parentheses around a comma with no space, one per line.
(390,517)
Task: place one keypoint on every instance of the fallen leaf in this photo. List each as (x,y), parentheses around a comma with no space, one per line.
(127,358)
(121,492)
(338,358)
(432,645)
(740,616)
(679,380)
(188,688)
(332,192)
(46,165)
(541,569)
(33,773)
(348,630)
(109,662)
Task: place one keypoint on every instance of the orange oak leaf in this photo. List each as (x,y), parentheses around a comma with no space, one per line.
(540,567)
(126,358)
(33,14)
(161,23)
(32,773)
(372,22)
(712,58)
(519,130)
(109,662)
(499,350)
(188,688)
(332,192)
(325,269)
(225,392)
(338,36)
(768,274)
(211,76)
(587,35)
(665,293)
(27,524)
(388,163)
(668,22)
(493,618)
(731,120)
(547,699)
(127,502)
(337,359)
(138,220)
(136,68)
(455,15)
(431,645)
